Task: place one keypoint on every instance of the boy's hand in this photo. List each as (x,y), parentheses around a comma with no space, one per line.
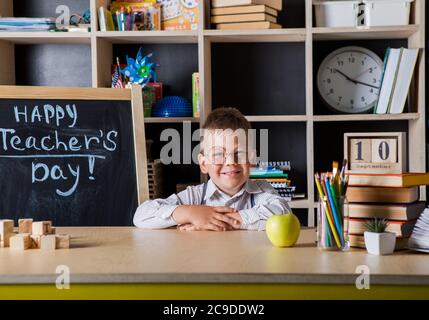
(205,218)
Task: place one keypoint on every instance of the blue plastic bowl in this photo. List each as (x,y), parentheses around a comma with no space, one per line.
(172,106)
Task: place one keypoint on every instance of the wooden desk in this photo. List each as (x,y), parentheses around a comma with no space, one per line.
(169,264)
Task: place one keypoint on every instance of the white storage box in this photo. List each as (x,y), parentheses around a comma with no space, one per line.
(387,12)
(336,13)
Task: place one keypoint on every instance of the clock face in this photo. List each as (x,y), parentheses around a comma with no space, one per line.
(349,79)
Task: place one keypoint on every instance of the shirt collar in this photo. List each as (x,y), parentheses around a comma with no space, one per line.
(250,187)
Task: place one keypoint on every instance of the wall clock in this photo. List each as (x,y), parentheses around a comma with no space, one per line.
(349,79)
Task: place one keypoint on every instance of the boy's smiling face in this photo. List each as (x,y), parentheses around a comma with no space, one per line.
(224,157)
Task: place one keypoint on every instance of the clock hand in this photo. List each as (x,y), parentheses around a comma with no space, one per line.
(362,73)
(345,76)
(366,84)
(355,81)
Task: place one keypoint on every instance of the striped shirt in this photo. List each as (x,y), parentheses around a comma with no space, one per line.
(157,214)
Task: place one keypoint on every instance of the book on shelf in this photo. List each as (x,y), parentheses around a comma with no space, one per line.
(400,228)
(358,241)
(275,4)
(382,194)
(247,17)
(419,239)
(403,212)
(105,20)
(248,25)
(403,80)
(27,24)
(390,73)
(398,71)
(244,9)
(389,180)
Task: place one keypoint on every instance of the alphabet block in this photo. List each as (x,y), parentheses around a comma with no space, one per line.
(48,242)
(25,225)
(6,231)
(36,241)
(21,241)
(63,241)
(40,228)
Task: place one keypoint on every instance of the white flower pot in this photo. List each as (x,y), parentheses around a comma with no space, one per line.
(380,243)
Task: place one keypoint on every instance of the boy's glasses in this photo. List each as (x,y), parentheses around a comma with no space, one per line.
(220,157)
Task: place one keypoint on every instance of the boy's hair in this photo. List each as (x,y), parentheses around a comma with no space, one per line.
(226,118)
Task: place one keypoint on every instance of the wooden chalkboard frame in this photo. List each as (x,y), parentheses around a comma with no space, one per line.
(134,95)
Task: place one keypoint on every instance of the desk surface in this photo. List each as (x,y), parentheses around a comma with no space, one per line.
(131,255)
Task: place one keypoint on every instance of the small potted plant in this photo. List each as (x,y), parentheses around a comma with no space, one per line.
(377,240)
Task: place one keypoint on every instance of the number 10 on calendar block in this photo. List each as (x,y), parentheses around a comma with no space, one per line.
(375,152)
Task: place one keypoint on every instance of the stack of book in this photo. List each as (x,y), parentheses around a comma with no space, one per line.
(390,196)
(277,174)
(245,14)
(27,24)
(397,74)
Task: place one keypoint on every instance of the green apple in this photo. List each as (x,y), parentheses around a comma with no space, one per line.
(283,229)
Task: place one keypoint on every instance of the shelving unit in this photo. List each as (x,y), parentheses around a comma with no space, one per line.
(288,104)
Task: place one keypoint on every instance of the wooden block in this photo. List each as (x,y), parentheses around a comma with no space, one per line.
(360,150)
(21,241)
(384,150)
(6,226)
(53,230)
(6,232)
(40,228)
(25,225)
(48,242)
(36,241)
(63,241)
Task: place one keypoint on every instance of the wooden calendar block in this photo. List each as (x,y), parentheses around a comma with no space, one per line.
(375,152)
(360,150)
(384,150)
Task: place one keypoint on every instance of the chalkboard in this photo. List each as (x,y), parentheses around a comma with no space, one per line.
(75,156)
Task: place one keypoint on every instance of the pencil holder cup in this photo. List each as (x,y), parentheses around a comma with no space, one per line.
(333,224)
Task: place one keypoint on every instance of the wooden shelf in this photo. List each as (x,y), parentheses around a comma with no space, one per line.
(277,118)
(366,117)
(46,37)
(394,32)
(170,120)
(102,56)
(149,36)
(271,35)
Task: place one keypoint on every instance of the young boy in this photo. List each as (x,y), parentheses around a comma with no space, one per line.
(229,200)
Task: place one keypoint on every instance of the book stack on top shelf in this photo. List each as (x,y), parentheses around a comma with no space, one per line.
(390,196)
(245,14)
